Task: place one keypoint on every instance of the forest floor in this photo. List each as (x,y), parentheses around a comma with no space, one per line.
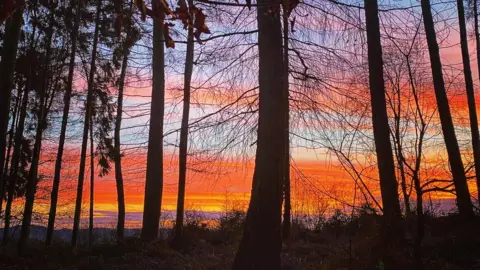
(448,244)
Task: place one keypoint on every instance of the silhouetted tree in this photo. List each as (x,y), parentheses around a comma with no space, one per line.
(63,130)
(182,155)
(7,68)
(260,245)
(154,175)
(464,202)
(86,125)
(32,179)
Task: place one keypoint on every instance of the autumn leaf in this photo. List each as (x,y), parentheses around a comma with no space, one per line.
(143,9)
(182,13)
(166,35)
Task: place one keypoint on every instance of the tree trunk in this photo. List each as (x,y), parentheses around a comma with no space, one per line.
(464,202)
(86,124)
(477,39)
(118,154)
(9,148)
(92,188)
(467,72)
(286,188)
(63,130)
(32,178)
(15,162)
(261,241)
(154,176)
(386,167)
(7,69)
(182,157)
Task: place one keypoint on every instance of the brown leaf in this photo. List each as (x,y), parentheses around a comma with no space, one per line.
(143,9)
(166,35)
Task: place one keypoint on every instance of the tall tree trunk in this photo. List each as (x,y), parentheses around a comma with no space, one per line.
(261,241)
(15,162)
(18,142)
(7,69)
(286,188)
(63,130)
(182,156)
(118,154)
(477,40)
(92,187)
(86,125)
(386,167)
(464,202)
(467,72)
(416,177)
(154,177)
(32,178)
(9,148)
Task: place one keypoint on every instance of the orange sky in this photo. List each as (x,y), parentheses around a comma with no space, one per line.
(316,178)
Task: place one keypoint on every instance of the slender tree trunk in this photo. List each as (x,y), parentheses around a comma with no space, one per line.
(286,188)
(477,39)
(63,131)
(118,155)
(7,69)
(32,178)
(154,176)
(261,241)
(9,148)
(18,144)
(92,187)
(416,177)
(88,113)
(392,229)
(15,163)
(464,202)
(182,157)
(467,72)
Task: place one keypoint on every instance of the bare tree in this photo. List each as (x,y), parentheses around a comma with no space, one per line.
(63,130)
(464,202)
(260,245)
(183,152)
(154,176)
(86,125)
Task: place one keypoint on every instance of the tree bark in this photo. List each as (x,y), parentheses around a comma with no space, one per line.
(92,188)
(392,219)
(286,188)
(464,202)
(467,72)
(154,175)
(32,178)
(118,154)
(63,130)
(477,40)
(18,142)
(15,163)
(182,156)
(7,69)
(261,241)
(9,148)
(88,113)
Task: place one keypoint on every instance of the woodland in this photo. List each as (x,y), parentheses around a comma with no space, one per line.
(97,89)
